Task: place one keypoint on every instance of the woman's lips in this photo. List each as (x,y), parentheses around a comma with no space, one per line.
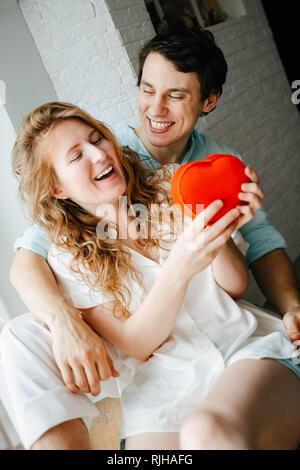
(159,127)
(108,177)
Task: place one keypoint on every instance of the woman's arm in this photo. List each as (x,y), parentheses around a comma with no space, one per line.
(231,270)
(147,328)
(78,350)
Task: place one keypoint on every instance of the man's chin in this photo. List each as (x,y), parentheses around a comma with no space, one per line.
(160,140)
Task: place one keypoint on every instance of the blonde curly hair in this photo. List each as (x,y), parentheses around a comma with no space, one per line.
(102,263)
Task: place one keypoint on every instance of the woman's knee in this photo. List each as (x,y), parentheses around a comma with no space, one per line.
(208,430)
(22,327)
(22,340)
(69,435)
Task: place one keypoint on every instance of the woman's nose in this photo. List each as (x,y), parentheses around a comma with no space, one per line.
(96,154)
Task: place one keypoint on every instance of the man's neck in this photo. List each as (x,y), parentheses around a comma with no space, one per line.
(173,153)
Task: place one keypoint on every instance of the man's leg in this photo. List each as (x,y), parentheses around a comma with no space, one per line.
(71,435)
(255,404)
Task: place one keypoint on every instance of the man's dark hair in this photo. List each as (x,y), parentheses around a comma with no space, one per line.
(190,52)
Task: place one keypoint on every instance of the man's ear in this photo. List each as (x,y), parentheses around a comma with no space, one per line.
(210,103)
(59,194)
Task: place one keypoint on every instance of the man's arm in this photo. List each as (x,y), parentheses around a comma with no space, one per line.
(78,350)
(275,275)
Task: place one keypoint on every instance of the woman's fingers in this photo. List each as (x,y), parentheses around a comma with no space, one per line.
(204,217)
(197,237)
(219,227)
(197,226)
(222,238)
(246,215)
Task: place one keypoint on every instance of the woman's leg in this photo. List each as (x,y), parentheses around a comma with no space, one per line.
(255,404)
(153,441)
(33,392)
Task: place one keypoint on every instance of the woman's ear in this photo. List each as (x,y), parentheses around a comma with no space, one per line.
(210,103)
(59,194)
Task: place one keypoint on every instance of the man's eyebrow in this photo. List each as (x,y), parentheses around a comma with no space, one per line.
(172,90)
(77,145)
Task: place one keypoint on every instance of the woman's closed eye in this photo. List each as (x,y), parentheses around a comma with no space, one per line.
(76,158)
(97,141)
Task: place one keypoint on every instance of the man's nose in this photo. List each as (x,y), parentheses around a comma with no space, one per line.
(158,106)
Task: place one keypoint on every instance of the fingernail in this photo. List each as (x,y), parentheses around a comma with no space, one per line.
(219,203)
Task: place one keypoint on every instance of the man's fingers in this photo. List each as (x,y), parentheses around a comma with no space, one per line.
(253,199)
(80,378)
(253,188)
(104,368)
(252,174)
(93,379)
(68,378)
(292,326)
(114,372)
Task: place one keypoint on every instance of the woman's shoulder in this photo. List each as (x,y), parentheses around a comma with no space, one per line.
(164,175)
(166,171)
(59,259)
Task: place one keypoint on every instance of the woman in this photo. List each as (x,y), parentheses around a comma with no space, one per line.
(183,370)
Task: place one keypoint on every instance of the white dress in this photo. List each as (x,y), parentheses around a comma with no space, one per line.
(211,332)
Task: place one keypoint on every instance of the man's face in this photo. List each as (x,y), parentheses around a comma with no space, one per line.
(169,102)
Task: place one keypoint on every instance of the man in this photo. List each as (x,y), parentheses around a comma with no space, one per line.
(180,79)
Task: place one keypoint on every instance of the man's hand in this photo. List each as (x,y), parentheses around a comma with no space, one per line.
(251,193)
(291,321)
(80,355)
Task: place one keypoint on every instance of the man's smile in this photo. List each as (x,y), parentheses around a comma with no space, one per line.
(159,126)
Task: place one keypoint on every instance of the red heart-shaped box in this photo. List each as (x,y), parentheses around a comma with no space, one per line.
(202,182)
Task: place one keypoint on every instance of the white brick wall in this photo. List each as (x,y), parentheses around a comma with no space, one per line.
(90,48)
(86,56)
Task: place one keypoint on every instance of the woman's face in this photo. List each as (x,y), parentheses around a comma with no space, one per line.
(87,166)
